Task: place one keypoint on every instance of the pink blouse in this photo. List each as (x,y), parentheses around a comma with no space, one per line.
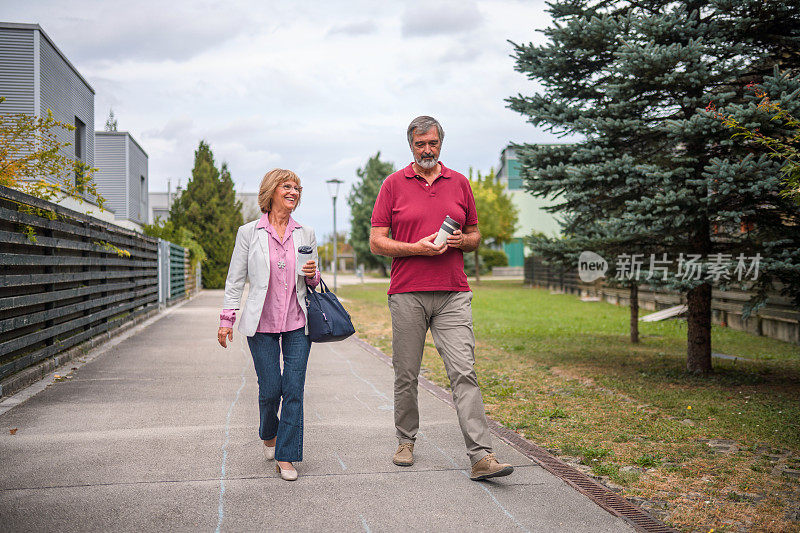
(281,311)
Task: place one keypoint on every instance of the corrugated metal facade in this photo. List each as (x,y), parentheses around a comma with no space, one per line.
(121,164)
(111,175)
(35,77)
(16,71)
(137,196)
(68,97)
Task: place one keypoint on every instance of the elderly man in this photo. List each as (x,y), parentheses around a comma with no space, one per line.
(429,290)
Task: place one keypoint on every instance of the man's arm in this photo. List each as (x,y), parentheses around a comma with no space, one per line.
(468,240)
(380,243)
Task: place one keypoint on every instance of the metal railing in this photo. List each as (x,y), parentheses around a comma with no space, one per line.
(177,275)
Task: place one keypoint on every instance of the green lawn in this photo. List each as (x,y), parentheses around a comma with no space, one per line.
(756,400)
(563,373)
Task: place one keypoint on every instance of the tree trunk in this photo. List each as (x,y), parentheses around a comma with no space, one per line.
(634,313)
(698,357)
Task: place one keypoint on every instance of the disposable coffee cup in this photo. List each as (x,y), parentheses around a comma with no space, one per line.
(304,255)
(448,227)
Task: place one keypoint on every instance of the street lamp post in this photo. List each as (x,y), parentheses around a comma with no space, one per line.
(333,189)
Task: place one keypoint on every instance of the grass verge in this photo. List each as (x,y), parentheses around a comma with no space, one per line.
(718,452)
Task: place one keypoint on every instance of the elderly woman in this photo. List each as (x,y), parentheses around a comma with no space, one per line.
(274,316)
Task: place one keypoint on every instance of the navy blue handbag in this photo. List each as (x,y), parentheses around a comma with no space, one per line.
(327,319)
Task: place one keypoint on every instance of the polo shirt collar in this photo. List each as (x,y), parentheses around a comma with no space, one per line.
(409,171)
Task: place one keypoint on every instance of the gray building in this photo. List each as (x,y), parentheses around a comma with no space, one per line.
(160,203)
(35,76)
(122,175)
(159,207)
(532,216)
(250,208)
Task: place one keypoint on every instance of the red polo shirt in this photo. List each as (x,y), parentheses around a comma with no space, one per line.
(413,210)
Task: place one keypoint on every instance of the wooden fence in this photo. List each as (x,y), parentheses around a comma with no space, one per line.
(66,277)
(778,319)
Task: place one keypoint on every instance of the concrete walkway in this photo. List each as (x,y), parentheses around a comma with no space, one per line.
(160,432)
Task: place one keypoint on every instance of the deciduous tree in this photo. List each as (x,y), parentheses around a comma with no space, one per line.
(32,159)
(497,214)
(361,201)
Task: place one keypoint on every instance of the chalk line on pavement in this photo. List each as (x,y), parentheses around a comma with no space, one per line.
(352,371)
(341,463)
(445,454)
(362,402)
(220,507)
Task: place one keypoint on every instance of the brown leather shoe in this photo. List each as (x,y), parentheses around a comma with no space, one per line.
(489,467)
(404,456)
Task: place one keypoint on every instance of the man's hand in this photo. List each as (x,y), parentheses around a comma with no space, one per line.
(380,243)
(224,333)
(425,246)
(456,239)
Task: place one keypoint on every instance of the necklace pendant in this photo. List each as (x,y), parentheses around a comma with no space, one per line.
(281,264)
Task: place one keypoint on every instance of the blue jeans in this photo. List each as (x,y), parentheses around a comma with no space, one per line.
(274,386)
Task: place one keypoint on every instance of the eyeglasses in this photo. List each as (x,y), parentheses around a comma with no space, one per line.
(286,187)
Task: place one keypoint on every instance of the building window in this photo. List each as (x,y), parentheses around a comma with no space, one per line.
(80,138)
(80,144)
(143,200)
(514,177)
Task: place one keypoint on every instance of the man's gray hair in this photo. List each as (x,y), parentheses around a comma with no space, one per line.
(422,125)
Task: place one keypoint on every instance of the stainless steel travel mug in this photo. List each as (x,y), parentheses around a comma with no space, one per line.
(448,227)
(304,255)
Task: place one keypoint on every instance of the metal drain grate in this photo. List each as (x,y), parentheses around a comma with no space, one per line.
(600,494)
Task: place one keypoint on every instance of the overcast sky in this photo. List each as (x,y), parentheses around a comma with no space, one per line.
(315,87)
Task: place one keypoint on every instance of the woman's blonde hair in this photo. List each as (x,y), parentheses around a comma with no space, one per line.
(272,180)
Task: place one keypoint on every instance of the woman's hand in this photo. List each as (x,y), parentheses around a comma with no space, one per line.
(222,334)
(310,269)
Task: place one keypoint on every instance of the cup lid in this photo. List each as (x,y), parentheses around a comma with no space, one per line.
(452,222)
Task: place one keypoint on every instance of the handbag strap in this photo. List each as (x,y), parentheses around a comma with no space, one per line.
(323,285)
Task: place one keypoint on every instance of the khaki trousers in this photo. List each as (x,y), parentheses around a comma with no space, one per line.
(448,314)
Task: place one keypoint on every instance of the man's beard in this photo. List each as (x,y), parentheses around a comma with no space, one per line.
(427,163)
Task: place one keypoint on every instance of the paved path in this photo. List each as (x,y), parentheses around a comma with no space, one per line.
(160,432)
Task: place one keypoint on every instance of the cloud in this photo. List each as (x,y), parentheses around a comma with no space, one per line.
(175,127)
(352,29)
(141,30)
(460,54)
(447,18)
(316,87)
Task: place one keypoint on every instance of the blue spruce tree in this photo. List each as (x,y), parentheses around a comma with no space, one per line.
(655,169)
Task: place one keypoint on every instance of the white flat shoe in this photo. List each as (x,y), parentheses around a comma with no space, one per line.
(287,475)
(269,453)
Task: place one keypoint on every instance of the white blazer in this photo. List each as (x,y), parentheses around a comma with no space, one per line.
(250,261)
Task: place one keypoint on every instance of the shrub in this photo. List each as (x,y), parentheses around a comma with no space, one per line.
(469,264)
(493,258)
